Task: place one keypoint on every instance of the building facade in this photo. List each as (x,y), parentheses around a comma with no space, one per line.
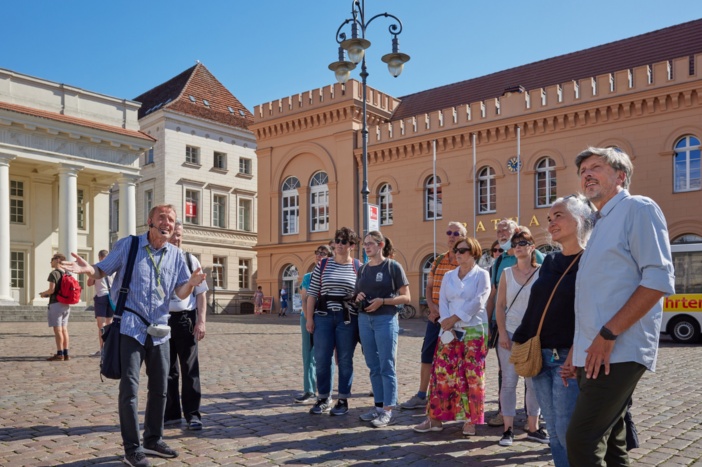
(61,149)
(504,145)
(203,162)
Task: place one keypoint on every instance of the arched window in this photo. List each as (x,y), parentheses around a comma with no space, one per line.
(319,202)
(290,207)
(385,202)
(426,270)
(686,165)
(432,199)
(545,182)
(290,276)
(487,191)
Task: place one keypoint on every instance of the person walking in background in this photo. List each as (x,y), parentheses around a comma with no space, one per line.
(309,370)
(58,312)
(443,263)
(512,299)
(381,286)
(101,301)
(624,274)
(188,326)
(258,301)
(283,302)
(553,293)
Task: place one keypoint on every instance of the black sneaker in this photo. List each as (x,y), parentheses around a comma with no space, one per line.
(160,449)
(321,406)
(136,459)
(306,397)
(341,407)
(540,436)
(507,438)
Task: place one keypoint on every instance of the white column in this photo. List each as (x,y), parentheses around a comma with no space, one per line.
(127,205)
(5,279)
(68,209)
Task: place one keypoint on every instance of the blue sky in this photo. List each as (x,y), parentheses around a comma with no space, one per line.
(263,50)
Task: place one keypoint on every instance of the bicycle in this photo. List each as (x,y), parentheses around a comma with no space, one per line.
(407,312)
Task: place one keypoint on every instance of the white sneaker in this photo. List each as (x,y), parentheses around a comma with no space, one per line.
(369,416)
(385,418)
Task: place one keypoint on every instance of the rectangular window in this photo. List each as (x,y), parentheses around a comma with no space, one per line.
(218,263)
(81,209)
(192,204)
(17,268)
(245,211)
(220,160)
(149,157)
(115,215)
(219,210)
(148,204)
(319,206)
(192,155)
(16,202)
(244,268)
(245,166)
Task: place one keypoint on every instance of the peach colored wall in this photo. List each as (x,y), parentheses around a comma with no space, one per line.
(644,120)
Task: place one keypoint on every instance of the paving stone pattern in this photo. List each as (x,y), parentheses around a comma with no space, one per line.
(60,413)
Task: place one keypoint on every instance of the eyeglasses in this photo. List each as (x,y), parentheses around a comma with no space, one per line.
(343,241)
(320,253)
(521,243)
(370,244)
(495,250)
(455,233)
(462,251)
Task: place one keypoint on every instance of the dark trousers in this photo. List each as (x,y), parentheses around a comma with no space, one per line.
(132,354)
(597,433)
(184,362)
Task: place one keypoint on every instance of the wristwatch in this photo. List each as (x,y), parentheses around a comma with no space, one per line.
(607,334)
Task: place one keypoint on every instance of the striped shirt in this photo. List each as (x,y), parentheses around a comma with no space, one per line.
(437,275)
(142,295)
(337,280)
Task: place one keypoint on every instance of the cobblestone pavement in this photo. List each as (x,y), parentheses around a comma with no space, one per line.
(60,413)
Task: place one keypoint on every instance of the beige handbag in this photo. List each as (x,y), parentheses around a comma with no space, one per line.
(526,357)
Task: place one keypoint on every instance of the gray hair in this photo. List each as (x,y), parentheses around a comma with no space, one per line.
(513,226)
(460,226)
(178,224)
(614,157)
(579,207)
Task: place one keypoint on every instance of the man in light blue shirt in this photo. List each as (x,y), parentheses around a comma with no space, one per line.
(159,271)
(623,275)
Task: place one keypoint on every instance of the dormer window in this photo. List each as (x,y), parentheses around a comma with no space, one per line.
(192,99)
(206,102)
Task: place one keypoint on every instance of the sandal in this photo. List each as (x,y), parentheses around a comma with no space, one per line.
(469,429)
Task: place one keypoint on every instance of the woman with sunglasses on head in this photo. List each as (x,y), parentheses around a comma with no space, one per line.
(457,383)
(309,372)
(512,297)
(380,287)
(332,321)
(569,224)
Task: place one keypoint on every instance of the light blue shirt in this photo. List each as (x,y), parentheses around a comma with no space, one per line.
(628,248)
(142,295)
(465,298)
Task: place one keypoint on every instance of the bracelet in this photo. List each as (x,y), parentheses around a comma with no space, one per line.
(383,302)
(607,334)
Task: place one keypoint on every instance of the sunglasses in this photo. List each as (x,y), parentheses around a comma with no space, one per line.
(343,241)
(495,250)
(521,243)
(320,253)
(455,233)
(462,251)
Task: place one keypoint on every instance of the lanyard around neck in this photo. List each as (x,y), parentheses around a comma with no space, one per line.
(157,267)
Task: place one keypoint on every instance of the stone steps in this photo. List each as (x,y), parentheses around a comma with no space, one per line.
(38,313)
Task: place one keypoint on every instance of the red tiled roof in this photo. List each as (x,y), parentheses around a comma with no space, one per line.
(198,82)
(657,46)
(74,120)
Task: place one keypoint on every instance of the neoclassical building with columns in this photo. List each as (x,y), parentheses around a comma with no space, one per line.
(61,149)
(505,146)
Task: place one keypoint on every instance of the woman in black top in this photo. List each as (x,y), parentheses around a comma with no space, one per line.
(569,224)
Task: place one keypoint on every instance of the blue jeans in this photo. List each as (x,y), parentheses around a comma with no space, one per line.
(557,402)
(330,331)
(379,340)
(309,371)
(157,359)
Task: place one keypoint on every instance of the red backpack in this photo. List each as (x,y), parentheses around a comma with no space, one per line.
(69,290)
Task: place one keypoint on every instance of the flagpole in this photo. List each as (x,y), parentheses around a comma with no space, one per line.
(433,171)
(519,171)
(476,194)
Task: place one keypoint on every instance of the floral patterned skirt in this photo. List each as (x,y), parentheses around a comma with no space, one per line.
(457,384)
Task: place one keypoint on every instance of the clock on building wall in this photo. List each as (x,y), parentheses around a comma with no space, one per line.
(514,164)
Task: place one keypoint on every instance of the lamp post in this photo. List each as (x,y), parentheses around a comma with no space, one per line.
(355,48)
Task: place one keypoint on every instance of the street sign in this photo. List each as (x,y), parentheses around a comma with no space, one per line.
(373,217)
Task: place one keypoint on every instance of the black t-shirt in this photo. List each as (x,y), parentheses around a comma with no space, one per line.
(377,282)
(559,325)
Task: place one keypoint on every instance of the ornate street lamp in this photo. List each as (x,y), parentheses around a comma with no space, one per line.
(355,48)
